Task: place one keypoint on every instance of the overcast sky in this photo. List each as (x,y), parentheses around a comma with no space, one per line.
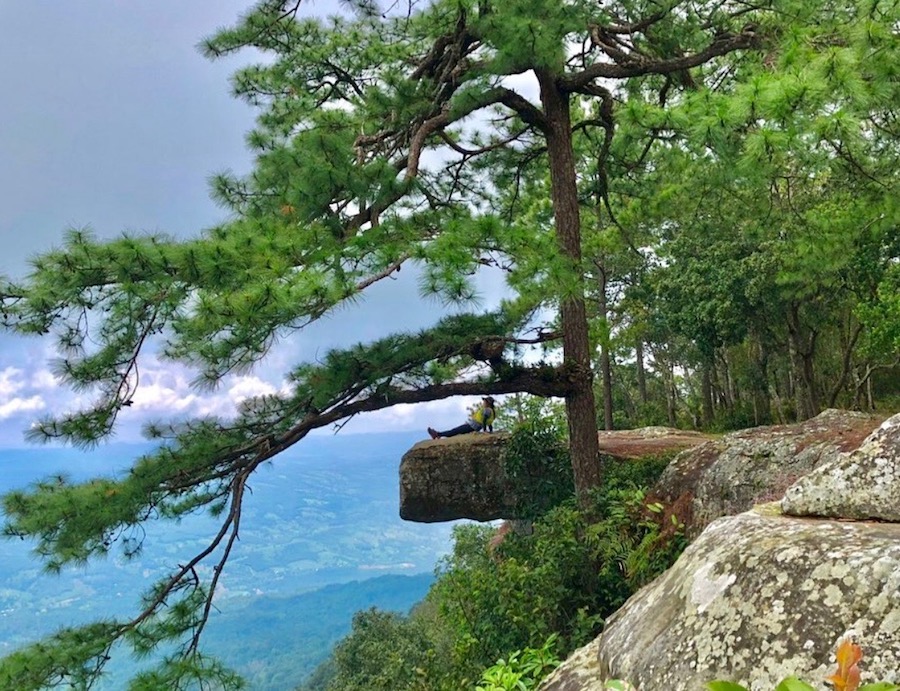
(111,118)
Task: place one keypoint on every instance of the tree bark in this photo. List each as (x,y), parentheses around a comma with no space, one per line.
(847,348)
(641,373)
(606,375)
(706,394)
(580,404)
(762,403)
(802,355)
(671,397)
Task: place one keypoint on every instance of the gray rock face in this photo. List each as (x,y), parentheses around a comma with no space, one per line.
(864,484)
(754,599)
(459,477)
(729,475)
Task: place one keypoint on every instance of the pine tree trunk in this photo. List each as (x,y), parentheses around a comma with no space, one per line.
(728,393)
(668,375)
(762,402)
(706,394)
(671,401)
(641,373)
(580,404)
(606,374)
(848,345)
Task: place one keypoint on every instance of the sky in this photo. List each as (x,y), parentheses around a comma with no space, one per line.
(111,119)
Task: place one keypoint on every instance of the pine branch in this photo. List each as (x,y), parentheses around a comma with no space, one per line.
(721,45)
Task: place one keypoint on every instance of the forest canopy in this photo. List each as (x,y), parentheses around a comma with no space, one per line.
(695,200)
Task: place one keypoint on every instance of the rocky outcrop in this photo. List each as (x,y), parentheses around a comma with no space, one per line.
(764,595)
(631,444)
(465,476)
(754,599)
(459,477)
(861,485)
(731,474)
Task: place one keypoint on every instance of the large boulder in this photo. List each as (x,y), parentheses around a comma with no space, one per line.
(465,476)
(729,475)
(861,485)
(754,599)
(458,477)
(763,595)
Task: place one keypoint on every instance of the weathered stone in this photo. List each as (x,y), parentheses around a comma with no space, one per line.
(754,599)
(465,476)
(647,442)
(864,484)
(729,475)
(458,477)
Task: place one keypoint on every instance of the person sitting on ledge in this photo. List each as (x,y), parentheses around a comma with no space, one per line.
(481,419)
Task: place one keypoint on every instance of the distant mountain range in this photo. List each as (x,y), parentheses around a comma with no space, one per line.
(321,523)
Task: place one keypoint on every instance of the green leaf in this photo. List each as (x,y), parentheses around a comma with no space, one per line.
(880,686)
(794,684)
(617,685)
(725,686)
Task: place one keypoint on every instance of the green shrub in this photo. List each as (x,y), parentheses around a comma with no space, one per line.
(564,578)
(523,670)
(537,462)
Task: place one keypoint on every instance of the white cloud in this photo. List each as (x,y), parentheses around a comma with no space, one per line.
(240,388)
(163,390)
(21,405)
(44,379)
(10,381)
(247,386)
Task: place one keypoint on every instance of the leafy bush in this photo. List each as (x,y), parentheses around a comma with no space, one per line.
(523,670)
(564,578)
(538,463)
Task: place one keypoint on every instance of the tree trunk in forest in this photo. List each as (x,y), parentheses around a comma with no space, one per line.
(762,402)
(606,378)
(580,404)
(641,373)
(802,366)
(605,363)
(671,401)
(667,371)
(729,397)
(848,345)
(706,395)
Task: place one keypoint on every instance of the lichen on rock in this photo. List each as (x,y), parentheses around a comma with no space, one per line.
(861,485)
(755,599)
(731,474)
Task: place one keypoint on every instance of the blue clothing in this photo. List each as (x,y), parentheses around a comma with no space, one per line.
(464,428)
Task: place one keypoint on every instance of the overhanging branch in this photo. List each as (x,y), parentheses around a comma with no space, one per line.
(721,45)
